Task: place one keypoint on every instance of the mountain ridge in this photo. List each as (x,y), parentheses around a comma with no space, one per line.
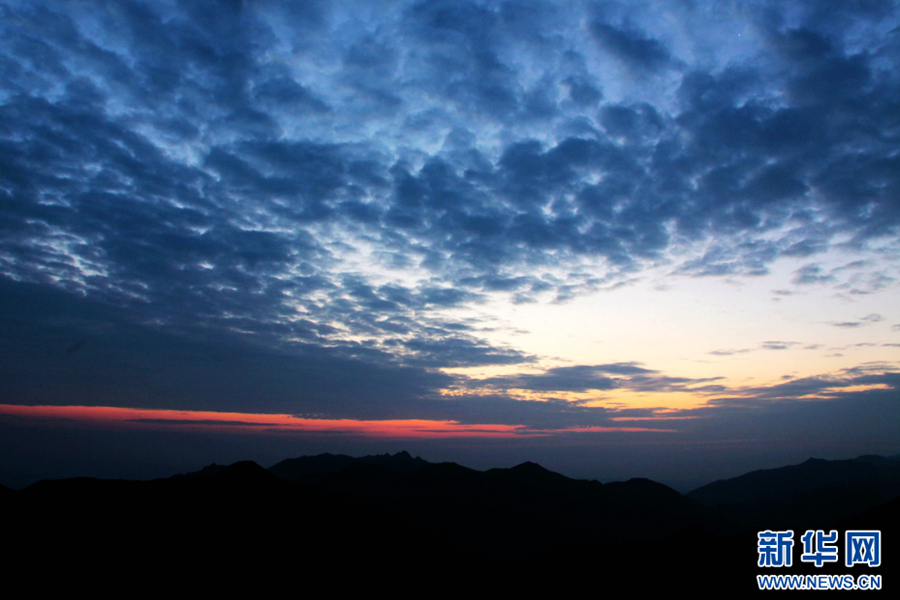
(820,490)
(391,515)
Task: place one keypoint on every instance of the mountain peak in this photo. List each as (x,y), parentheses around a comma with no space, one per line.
(529,466)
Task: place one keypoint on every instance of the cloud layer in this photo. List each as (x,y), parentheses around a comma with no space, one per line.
(256,166)
(309,202)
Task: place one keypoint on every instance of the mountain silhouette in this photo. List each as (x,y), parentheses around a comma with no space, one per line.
(816,492)
(295,468)
(402,521)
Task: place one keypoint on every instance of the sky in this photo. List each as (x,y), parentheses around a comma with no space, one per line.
(621,239)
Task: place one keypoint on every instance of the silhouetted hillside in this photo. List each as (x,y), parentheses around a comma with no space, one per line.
(295,468)
(231,529)
(817,492)
(243,528)
(509,512)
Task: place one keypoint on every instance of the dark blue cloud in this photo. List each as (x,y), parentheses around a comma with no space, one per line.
(583,92)
(584,378)
(635,49)
(223,166)
(283,92)
(76,351)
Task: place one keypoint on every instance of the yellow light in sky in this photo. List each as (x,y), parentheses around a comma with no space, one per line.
(748,331)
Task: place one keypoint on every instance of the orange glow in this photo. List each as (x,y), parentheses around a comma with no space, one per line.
(250,422)
(660,417)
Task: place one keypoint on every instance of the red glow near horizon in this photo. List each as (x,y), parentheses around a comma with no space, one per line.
(255,422)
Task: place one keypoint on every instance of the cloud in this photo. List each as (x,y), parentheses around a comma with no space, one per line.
(871,318)
(810,275)
(634,49)
(461,351)
(584,378)
(560,379)
(77,351)
(839,385)
(729,352)
(66,350)
(262,168)
(776,345)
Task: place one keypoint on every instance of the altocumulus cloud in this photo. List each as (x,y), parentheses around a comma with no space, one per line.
(258,172)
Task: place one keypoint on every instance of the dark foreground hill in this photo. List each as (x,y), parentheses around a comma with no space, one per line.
(386,522)
(815,493)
